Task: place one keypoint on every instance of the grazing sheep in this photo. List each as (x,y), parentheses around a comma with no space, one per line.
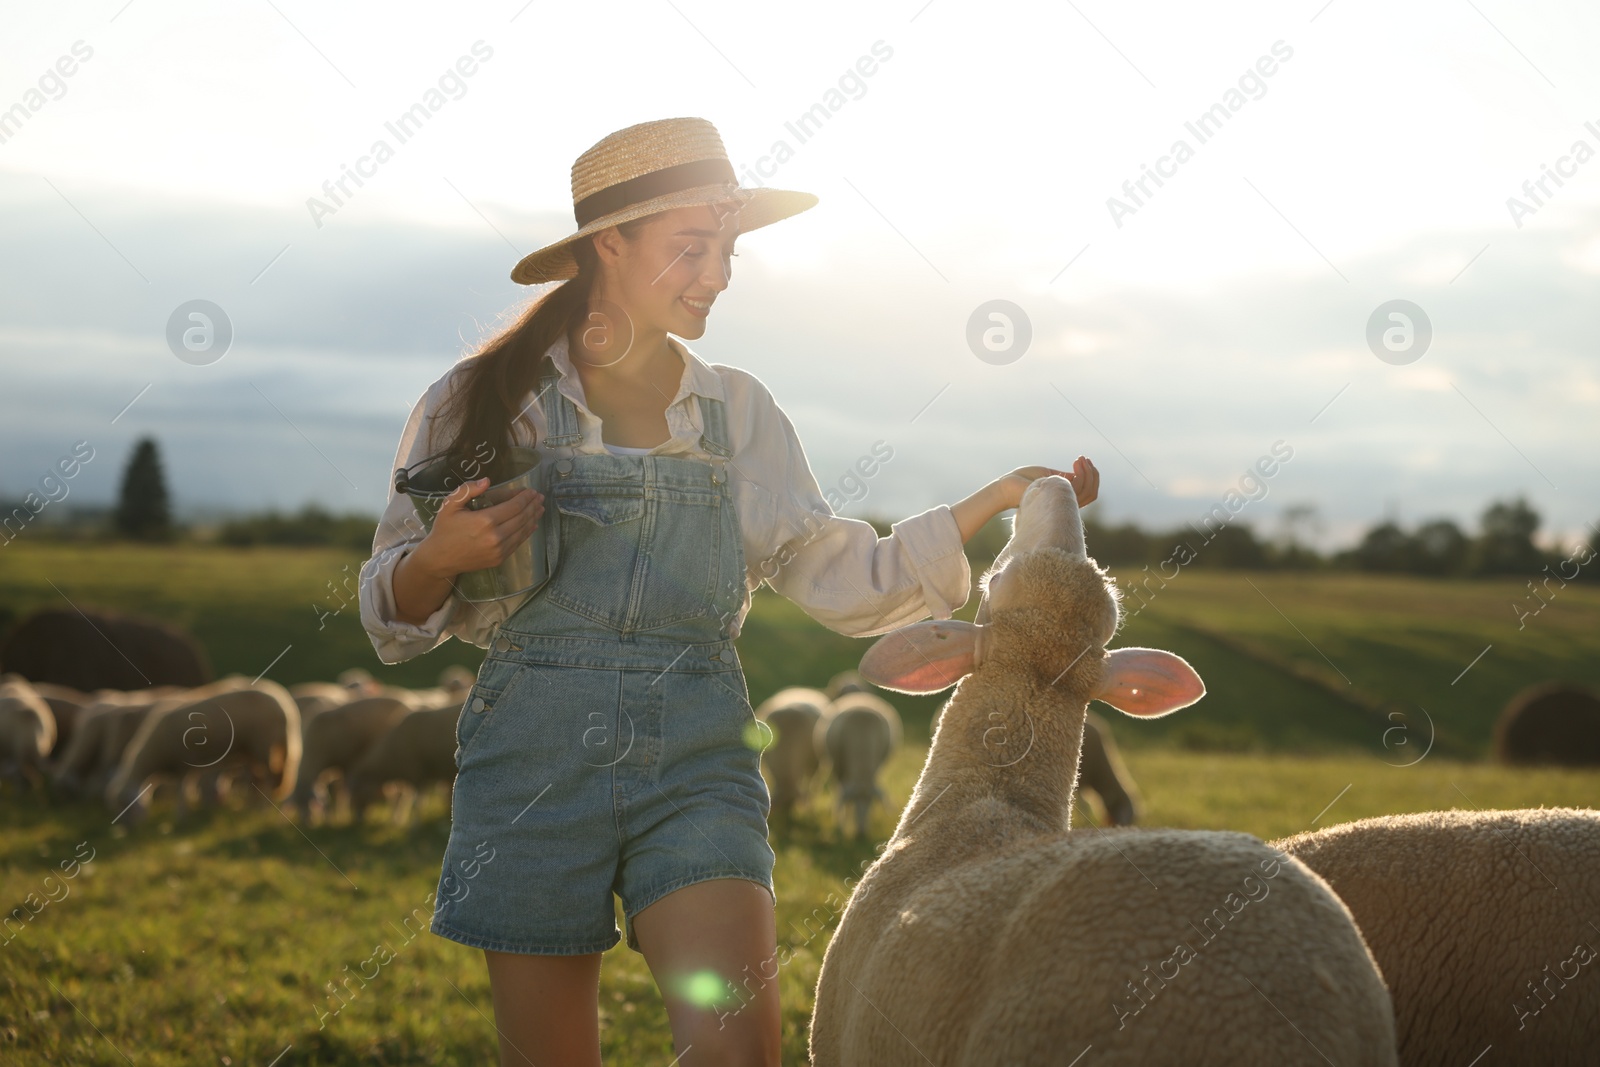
(335,740)
(987,932)
(100,650)
(1483,923)
(845,682)
(27,733)
(360,682)
(67,704)
(457,680)
(87,762)
(1103,776)
(791,758)
(858,738)
(251,724)
(313,698)
(1554,722)
(419,750)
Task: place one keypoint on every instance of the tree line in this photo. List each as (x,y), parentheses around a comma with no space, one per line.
(1502,544)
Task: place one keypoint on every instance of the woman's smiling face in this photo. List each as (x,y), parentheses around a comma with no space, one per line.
(668,277)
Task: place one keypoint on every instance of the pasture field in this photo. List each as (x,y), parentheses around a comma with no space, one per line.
(214,940)
(1292,661)
(221,937)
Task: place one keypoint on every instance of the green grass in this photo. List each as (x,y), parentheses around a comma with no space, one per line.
(1387,644)
(212,940)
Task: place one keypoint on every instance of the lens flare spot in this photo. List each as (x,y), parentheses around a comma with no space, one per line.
(705,989)
(757,735)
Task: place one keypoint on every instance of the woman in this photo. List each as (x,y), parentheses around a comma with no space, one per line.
(608,745)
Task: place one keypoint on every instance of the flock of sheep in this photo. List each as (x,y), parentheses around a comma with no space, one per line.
(203,741)
(847,733)
(989,931)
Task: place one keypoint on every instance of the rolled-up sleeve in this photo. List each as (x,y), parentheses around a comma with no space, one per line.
(837,569)
(399,531)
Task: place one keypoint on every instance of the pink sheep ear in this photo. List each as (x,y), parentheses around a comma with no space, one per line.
(924,657)
(1148,682)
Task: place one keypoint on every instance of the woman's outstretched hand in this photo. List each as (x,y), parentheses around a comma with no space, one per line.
(1084,476)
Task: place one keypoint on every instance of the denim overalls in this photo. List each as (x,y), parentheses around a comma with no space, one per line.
(609,744)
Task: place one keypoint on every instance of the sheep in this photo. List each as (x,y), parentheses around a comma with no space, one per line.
(99,649)
(987,931)
(1103,776)
(251,724)
(360,682)
(845,682)
(1483,923)
(67,704)
(791,757)
(87,762)
(858,739)
(313,698)
(458,681)
(418,750)
(27,733)
(1554,722)
(64,703)
(334,740)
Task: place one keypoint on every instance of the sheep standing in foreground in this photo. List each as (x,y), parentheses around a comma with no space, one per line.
(27,733)
(333,743)
(858,738)
(791,757)
(418,751)
(989,933)
(1484,923)
(254,725)
(1102,774)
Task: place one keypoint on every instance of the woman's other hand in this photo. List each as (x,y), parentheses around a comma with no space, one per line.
(468,539)
(1084,476)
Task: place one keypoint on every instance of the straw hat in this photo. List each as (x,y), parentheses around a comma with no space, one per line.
(651,167)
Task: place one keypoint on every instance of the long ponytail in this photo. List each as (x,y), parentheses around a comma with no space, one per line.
(505,368)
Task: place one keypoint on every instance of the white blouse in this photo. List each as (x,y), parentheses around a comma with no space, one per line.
(836,568)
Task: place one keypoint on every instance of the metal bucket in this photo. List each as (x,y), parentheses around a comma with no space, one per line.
(529,566)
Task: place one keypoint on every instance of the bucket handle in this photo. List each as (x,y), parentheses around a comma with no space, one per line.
(402,475)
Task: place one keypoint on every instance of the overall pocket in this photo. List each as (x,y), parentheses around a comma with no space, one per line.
(600,538)
(680,565)
(497,681)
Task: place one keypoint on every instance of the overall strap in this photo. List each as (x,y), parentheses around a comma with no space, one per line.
(560,415)
(714,417)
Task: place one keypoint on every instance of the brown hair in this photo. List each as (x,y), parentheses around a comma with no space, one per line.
(505,368)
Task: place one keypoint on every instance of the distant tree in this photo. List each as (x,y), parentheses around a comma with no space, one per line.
(1440,547)
(1233,546)
(1505,540)
(312,525)
(1290,551)
(1592,567)
(143,510)
(1113,545)
(1386,547)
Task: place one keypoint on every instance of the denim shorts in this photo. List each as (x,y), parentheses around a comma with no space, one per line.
(608,745)
(579,778)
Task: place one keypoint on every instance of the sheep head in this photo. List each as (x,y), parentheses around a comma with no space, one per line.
(1046,613)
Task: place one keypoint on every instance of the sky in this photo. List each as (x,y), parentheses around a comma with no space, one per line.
(1316,163)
